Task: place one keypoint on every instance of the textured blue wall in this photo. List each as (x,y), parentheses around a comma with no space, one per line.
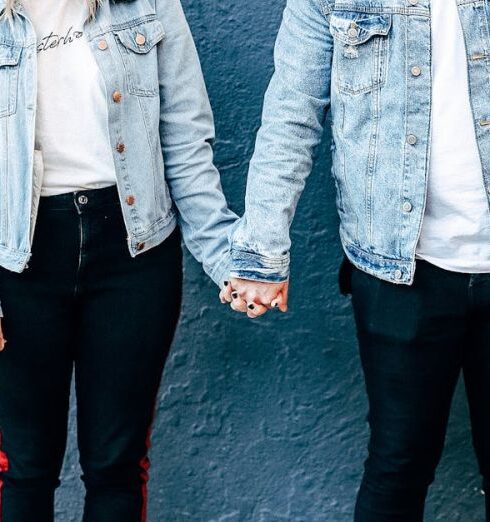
(265,421)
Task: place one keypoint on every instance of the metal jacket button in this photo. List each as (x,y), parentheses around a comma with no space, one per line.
(140,39)
(120,148)
(353,32)
(140,246)
(407,206)
(411,139)
(103,45)
(416,71)
(117,96)
(130,200)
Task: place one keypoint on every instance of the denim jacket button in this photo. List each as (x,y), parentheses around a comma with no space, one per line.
(407,206)
(416,71)
(140,39)
(130,200)
(120,148)
(353,32)
(411,139)
(413,2)
(140,246)
(398,274)
(117,96)
(102,45)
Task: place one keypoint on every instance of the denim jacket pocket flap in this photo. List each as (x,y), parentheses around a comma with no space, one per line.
(353,28)
(9,54)
(142,38)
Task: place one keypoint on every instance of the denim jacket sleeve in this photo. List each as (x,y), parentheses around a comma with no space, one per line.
(187,133)
(293,118)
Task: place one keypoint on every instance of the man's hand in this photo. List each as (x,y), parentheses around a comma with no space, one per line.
(255,298)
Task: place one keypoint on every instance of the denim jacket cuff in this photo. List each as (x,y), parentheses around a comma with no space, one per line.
(221,272)
(256,267)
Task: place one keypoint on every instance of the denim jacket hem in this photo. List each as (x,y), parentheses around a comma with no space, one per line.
(398,271)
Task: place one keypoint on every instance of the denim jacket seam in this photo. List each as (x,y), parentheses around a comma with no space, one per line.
(271,262)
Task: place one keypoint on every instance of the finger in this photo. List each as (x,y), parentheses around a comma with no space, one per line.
(225,294)
(238,304)
(3,342)
(255,310)
(280,302)
(285,298)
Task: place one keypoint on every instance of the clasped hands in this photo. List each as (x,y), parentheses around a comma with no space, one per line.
(255,298)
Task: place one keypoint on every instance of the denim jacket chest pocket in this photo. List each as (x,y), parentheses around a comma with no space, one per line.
(360,61)
(9,78)
(137,46)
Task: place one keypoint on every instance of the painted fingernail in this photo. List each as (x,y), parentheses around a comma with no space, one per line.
(226,283)
(251,306)
(234,295)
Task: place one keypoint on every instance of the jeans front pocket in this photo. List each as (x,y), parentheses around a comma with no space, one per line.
(360,62)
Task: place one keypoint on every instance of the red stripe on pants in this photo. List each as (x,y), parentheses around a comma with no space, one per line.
(4,466)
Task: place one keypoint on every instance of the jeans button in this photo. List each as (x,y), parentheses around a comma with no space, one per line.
(83,200)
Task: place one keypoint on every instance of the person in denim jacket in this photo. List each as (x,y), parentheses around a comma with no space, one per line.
(407,86)
(105,156)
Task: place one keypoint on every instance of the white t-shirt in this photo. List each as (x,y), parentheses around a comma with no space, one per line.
(72,122)
(456,228)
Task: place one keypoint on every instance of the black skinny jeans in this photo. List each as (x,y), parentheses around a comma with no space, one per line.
(415,341)
(84,304)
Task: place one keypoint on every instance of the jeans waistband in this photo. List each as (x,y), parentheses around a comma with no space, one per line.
(82,200)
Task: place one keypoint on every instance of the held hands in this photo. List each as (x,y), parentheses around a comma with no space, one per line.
(253,297)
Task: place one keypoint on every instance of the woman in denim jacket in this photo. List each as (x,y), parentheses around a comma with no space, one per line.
(105,146)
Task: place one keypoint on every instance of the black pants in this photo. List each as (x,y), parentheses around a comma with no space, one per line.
(84,303)
(414,342)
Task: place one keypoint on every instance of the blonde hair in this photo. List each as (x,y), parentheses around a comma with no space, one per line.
(10,4)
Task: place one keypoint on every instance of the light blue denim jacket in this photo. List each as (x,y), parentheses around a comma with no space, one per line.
(164,121)
(369,61)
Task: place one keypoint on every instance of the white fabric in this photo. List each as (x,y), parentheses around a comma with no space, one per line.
(456,228)
(71,126)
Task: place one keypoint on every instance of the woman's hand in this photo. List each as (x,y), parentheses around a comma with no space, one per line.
(255,298)
(3,342)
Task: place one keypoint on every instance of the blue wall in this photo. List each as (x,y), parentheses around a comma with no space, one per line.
(265,421)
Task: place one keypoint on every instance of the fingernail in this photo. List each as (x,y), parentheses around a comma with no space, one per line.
(251,307)
(274,305)
(226,283)
(234,295)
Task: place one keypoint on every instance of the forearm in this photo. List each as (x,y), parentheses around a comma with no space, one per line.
(294,113)
(187,132)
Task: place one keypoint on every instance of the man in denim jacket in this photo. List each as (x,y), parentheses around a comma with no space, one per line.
(407,82)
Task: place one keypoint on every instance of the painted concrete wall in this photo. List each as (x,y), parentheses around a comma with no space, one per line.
(265,422)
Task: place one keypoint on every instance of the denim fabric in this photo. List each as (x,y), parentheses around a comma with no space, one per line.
(161,130)
(85,304)
(369,61)
(415,341)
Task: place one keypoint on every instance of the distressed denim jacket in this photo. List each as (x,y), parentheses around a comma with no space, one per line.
(369,61)
(164,171)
